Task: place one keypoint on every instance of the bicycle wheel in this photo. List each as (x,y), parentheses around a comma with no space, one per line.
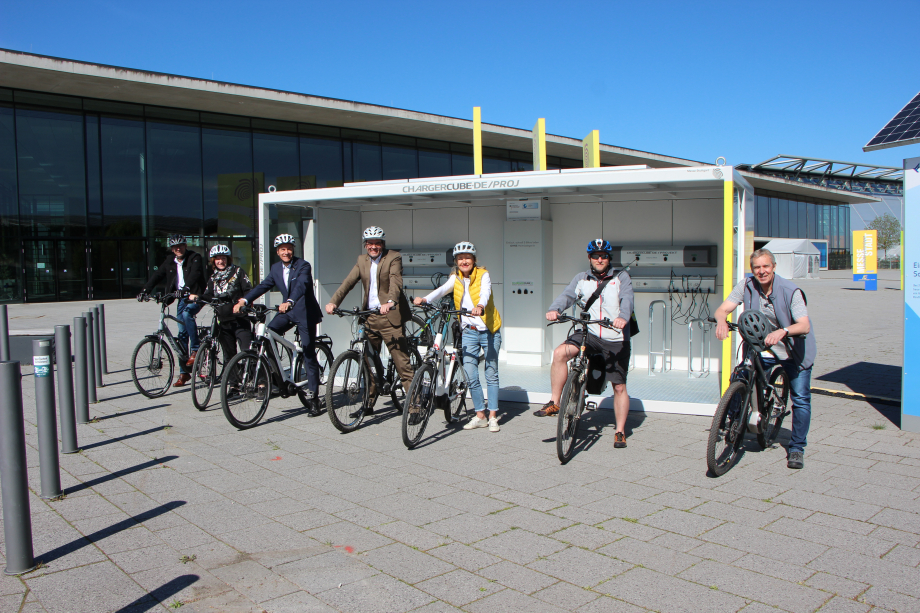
(571,403)
(726,434)
(771,421)
(347,391)
(416,327)
(397,391)
(455,403)
(152,367)
(245,390)
(206,372)
(419,405)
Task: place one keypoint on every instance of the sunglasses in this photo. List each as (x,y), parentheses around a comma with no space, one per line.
(600,256)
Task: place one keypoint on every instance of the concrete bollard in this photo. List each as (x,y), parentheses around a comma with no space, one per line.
(4,335)
(65,390)
(49,467)
(97,348)
(90,358)
(102,342)
(14,483)
(81,395)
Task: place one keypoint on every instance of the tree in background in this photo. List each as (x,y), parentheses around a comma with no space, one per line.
(889,231)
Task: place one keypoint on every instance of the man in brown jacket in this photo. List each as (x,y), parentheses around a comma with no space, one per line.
(380,271)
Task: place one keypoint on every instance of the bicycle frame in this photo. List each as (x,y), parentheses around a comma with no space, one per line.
(268,338)
(163,331)
(361,343)
(752,373)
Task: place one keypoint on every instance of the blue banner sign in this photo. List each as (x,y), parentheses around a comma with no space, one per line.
(910,376)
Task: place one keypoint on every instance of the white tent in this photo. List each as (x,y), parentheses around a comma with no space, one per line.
(796,258)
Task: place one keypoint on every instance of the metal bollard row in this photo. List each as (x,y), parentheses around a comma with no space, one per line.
(81,379)
(90,357)
(4,335)
(102,343)
(65,390)
(49,466)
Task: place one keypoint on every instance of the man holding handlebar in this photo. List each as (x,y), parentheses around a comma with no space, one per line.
(605,294)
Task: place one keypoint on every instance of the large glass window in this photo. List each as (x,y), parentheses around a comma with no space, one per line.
(774,217)
(276,161)
(461,159)
(321,156)
(124,184)
(783,212)
(399,157)
(811,212)
(365,155)
(229,189)
(52,175)
(832,224)
(10,282)
(495,161)
(93,176)
(802,231)
(762,223)
(433,159)
(174,178)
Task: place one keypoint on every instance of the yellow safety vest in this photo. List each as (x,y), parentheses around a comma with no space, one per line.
(490,316)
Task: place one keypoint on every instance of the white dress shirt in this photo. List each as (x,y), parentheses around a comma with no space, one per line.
(485,292)
(180,278)
(373,300)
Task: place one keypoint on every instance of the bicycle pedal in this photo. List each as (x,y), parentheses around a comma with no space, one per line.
(590,406)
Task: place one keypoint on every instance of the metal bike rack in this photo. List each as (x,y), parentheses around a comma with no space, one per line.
(666,339)
(705,344)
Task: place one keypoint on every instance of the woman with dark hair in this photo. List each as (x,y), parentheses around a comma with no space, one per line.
(229,283)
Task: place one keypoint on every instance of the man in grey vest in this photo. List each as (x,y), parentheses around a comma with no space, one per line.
(792,340)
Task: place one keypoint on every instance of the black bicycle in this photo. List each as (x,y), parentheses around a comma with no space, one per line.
(273,366)
(152,365)
(572,400)
(348,395)
(209,364)
(755,401)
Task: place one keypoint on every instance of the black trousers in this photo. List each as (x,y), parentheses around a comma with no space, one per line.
(233,333)
(284,322)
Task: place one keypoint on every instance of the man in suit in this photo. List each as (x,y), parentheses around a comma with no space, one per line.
(380,272)
(182,270)
(293,277)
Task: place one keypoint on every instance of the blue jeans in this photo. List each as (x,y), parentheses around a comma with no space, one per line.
(474,344)
(800,392)
(188,327)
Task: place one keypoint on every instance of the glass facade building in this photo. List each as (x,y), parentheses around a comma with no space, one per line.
(89,189)
(780,215)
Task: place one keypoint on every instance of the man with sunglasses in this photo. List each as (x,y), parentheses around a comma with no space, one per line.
(607,293)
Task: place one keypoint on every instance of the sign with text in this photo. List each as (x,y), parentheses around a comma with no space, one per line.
(523,210)
(865,252)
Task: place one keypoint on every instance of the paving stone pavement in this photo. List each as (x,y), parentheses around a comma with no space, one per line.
(169,507)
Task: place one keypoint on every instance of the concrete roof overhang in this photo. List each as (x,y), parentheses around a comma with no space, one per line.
(62,76)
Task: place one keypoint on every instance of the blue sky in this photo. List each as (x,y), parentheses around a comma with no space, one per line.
(742,80)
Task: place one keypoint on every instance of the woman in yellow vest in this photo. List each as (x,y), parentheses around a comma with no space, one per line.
(472,290)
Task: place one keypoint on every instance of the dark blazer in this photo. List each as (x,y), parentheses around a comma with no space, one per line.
(300,292)
(389,285)
(192,270)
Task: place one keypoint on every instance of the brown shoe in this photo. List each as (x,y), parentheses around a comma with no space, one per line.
(549,409)
(182,380)
(619,440)
(191,359)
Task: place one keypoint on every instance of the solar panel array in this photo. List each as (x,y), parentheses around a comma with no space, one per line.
(904,129)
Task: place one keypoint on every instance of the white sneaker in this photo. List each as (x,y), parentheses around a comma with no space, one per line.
(493,425)
(476,422)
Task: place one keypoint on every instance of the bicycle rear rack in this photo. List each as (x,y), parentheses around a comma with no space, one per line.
(705,344)
(666,339)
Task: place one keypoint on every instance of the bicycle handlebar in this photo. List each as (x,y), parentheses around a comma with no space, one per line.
(356,312)
(442,309)
(604,323)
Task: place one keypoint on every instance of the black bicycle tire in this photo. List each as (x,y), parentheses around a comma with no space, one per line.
(410,440)
(226,379)
(716,433)
(168,360)
(209,349)
(567,419)
(770,425)
(331,390)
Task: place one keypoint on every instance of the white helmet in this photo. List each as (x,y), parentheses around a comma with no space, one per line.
(464,247)
(374,233)
(282,239)
(219,250)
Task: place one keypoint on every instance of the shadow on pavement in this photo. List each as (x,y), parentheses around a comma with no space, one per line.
(123,413)
(159,595)
(864,377)
(592,424)
(98,535)
(122,438)
(120,473)
(889,412)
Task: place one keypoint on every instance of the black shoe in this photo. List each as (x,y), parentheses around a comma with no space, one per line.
(314,410)
(796,460)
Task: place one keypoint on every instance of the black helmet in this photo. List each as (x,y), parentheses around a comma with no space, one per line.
(754,328)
